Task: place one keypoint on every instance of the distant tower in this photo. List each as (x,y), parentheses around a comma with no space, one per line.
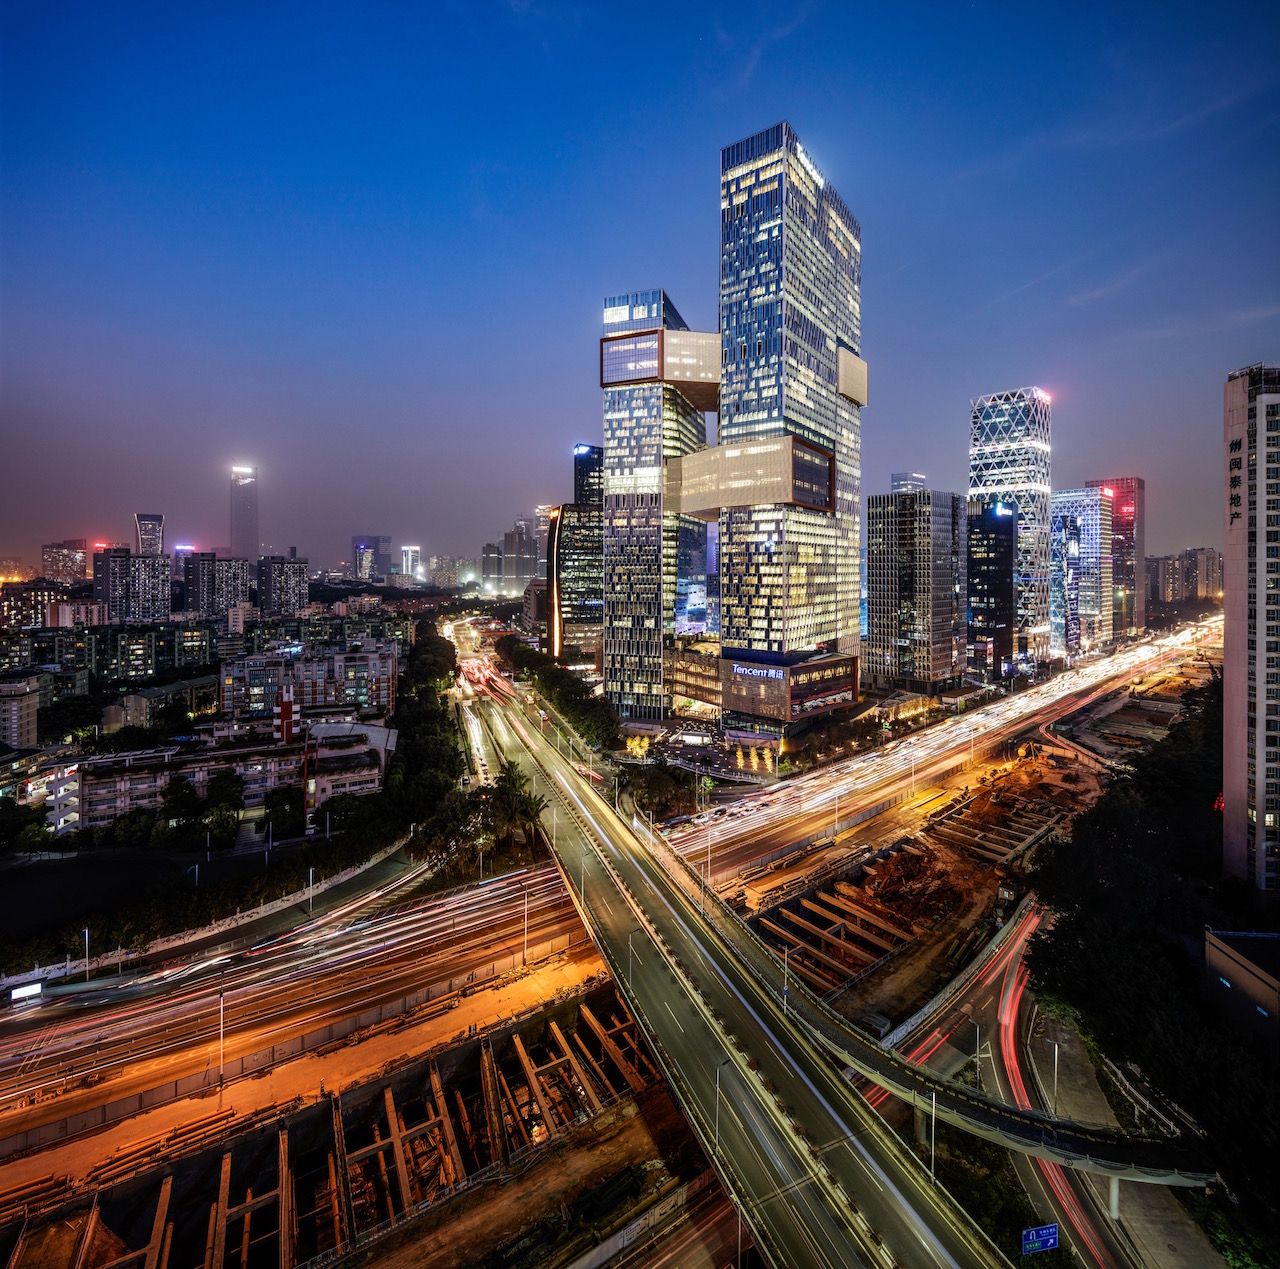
(148,533)
(246,541)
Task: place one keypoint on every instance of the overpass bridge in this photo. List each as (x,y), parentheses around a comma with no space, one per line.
(761,1066)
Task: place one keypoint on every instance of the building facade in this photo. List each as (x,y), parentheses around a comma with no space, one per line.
(1128,551)
(575,577)
(282,585)
(111,580)
(246,538)
(790,329)
(150,597)
(1251,641)
(411,561)
(148,533)
(1009,461)
(362,675)
(1089,509)
(648,420)
(916,590)
(66,562)
(588,475)
(24,605)
(19,706)
(992,587)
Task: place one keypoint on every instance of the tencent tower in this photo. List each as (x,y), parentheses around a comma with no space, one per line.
(782,481)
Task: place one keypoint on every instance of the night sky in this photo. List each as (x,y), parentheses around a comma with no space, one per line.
(366,246)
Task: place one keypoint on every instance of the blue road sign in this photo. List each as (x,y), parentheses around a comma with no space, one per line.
(1042,1238)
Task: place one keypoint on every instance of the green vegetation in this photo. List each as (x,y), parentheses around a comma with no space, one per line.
(661,790)
(1132,890)
(591,716)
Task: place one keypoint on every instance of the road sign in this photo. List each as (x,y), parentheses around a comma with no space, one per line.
(1042,1238)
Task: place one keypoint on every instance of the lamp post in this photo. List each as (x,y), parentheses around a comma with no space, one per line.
(311,881)
(1055,1079)
(221,1035)
(525,957)
(86,953)
(716,1148)
(786,965)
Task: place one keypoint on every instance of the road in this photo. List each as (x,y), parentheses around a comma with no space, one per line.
(821,1181)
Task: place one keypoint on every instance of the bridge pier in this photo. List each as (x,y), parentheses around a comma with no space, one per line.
(1113,1205)
(920,1123)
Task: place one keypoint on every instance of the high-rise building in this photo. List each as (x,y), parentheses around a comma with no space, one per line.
(411,561)
(541,530)
(66,562)
(993,587)
(1251,645)
(149,592)
(1009,459)
(111,580)
(1201,572)
(648,421)
(1128,551)
(370,555)
(148,533)
(907,482)
(1064,582)
(519,557)
(19,706)
(792,374)
(246,539)
(198,581)
(24,605)
(575,576)
(182,552)
(282,585)
(916,595)
(588,475)
(1090,508)
(491,569)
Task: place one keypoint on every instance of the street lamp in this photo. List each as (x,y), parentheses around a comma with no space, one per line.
(525,957)
(311,881)
(786,965)
(86,953)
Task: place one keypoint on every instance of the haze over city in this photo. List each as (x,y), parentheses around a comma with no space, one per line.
(370,256)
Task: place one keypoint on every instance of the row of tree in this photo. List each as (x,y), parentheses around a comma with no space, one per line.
(588,713)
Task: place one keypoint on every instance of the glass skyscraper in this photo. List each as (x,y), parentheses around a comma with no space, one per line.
(1128,550)
(1082,589)
(992,587)
(148,533)
(1009,458)
(790,297)
(246,542)
(648,420)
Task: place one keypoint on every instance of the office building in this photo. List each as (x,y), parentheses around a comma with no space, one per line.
(246,539)
(370,555)
(19,706)
(575,577)
(443,571)
(791,378)
(66,562)
(24,605)
(541,529)
(916,596)
(1128,551)
(648,421)
(148,533)
(992,583)
(1064,582)
(282,585)
(411,562)
(491,568)
(111,580)
(1090,510)
(1251,642)
(588,475)
(519,557)
(907,482)
(1009,460)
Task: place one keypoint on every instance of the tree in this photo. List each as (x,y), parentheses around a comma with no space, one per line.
(284,809)
(181,802)
(225,789)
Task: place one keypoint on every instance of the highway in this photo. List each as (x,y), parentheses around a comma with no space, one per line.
(821,1181)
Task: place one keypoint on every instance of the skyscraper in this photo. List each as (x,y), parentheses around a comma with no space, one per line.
(1089,509)
(648,420)
(588,475)
(148,533)
(149,593)
(519,557)
(1128,550)
(916,598)
(1009,459)
(411,561)
(111,580)
(1251,646)
(992,586)
(246,540)
(790,321)
(370,555)
(1064,582)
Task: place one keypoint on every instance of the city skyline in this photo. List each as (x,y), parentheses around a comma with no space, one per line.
(206,334)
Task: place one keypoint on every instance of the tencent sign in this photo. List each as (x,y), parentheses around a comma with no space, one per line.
(757,671)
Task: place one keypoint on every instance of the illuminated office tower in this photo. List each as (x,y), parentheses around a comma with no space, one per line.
(1251,638)
(588,475)
(575,558)
(658,379)
(1093,586)
(992,587)
(1128,551)
(411,561)
(1009,455)
(1064,582)
(245,539)
(916,602)
(148,534)
(792,384)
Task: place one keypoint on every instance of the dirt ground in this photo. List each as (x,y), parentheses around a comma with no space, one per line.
(475,1229)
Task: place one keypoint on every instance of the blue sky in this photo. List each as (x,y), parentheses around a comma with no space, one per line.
(366,246)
